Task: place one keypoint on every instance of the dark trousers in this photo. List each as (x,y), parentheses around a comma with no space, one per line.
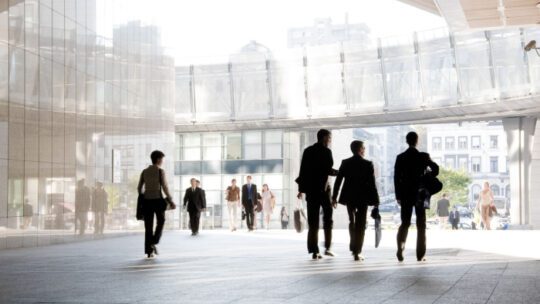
(406,214)
(284,224)
(316,201)
(99,221)
(194,220)
(153,207)
(455,225)
(357,226)
(250,214)
(81,219)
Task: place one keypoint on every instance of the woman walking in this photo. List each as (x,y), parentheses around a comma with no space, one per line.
(485,200)
(233,203)
(268,202)
(154,181)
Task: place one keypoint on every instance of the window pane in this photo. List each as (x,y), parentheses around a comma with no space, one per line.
(212,146)
(233,146)
(192,153)
(252,145)
(273,143)
(212,153)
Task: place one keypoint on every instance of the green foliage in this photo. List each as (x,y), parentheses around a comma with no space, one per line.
(114,196)
(455,185)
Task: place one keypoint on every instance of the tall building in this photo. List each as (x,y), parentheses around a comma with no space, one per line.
(324,32)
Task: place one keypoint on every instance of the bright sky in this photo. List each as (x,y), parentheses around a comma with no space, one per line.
(203,30)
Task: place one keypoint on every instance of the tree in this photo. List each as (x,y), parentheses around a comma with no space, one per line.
(455,185)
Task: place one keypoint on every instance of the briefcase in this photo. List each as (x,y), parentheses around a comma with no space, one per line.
(299,217)
(140,202)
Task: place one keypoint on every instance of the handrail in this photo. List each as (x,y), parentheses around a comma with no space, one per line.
(463,68)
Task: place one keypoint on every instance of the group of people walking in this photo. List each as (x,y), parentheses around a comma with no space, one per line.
(359,191)
(250,201)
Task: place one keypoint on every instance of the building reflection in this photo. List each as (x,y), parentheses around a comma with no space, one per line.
(69,99)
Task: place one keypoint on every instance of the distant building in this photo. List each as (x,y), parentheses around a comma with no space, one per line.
(323,32)
(477,148)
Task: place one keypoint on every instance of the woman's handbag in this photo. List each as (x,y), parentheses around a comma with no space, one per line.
(169,204)
(492,210)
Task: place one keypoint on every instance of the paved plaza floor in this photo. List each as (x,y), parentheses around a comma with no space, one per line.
(274,267)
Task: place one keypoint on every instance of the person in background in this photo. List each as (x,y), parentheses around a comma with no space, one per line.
(194,202)
(82,206)
(358,193)
(268,202)
(409,169)
(100,206)
(485,200)
(249,200)
(28,213)
(453,218)
(315,167)
(233,202)
(284,218)
(154,181)
(443,205)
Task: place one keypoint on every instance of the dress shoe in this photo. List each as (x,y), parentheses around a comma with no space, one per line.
(329,253)
(317,256)
(358,257)
(399,253)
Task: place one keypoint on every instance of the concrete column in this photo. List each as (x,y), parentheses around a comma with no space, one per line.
(534,198)
(520,138)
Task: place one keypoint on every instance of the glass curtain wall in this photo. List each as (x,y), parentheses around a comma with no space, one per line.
(76,108)
(216,158)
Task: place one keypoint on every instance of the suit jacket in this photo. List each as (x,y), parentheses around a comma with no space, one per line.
(409,169)
(454,217)
(246,197)
(195,199)
(315,168)
(359,186)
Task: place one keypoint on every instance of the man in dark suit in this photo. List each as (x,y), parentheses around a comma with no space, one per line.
(409,169)
(249,200)
(315,168)
(196,202)
(359,191)
(454,218)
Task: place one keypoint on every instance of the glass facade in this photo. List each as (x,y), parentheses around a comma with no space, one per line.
(76,106)
(216,158)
